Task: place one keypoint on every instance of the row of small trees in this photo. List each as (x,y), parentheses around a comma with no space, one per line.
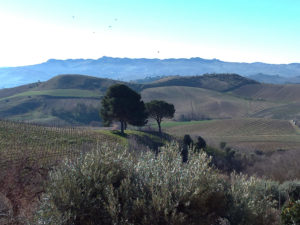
(123,104)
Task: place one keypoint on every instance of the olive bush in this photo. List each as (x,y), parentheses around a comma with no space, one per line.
(110,185)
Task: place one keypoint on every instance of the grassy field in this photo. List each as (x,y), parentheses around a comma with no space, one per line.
(243,134)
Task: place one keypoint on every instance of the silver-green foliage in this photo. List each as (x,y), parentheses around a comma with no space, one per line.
(110,185)
(253,201)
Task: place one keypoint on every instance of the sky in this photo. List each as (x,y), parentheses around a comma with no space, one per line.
(33,31)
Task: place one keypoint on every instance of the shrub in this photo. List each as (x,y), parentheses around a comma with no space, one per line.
(225,160)
(223,144)
(21,183)
(291,190)
(252,202)
(200,144)
(187,144)
(291,213)
(188,141)
(280,166)
(110,185)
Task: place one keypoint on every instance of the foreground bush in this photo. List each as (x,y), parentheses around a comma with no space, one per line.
(253,201)
(291,213)
(111,186)
(291,190)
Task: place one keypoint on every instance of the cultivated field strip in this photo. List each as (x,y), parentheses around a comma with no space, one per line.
(20,141)
(238,127)
(244,134)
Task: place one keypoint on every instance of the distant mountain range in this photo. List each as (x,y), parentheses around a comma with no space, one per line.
(127,69)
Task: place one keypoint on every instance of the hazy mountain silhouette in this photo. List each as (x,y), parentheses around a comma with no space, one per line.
(131,69)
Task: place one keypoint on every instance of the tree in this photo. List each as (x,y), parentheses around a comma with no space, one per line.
(187,144)
(187,140)
(158,110)
(124,105)
(200,144)
(185,153)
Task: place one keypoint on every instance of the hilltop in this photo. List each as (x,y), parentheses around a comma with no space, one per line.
(216,82)
(127,69)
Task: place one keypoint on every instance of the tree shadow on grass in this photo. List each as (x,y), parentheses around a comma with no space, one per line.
(117,132)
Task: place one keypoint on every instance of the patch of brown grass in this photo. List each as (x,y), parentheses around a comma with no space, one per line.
(21,185)
(280,166)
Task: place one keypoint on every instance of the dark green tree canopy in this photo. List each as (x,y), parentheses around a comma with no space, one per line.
(123,104)
(187,140)
(159,109)
(200,144)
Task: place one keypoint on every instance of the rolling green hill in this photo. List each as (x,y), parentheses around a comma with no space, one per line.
(75,93)
(65,98)
(57,101)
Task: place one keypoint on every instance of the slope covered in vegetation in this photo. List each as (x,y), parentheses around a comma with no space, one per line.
(59,100)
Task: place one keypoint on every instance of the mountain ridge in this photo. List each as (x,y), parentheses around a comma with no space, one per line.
(127,69)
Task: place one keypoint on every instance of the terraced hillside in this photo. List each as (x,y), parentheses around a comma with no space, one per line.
(243,134)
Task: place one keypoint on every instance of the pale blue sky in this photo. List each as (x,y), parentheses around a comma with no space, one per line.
(32,31)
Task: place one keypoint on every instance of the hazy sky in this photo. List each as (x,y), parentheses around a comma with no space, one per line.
(32,31)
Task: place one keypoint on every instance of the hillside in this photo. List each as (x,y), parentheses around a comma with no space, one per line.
(132,69)
(274,79)
(247,134)
(270,92)
(197,103)
(76,164)
(215,82)
(75,99)
(60,96)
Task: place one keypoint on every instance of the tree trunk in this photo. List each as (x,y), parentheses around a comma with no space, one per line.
(122,127)
(159,127)
(185,153)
